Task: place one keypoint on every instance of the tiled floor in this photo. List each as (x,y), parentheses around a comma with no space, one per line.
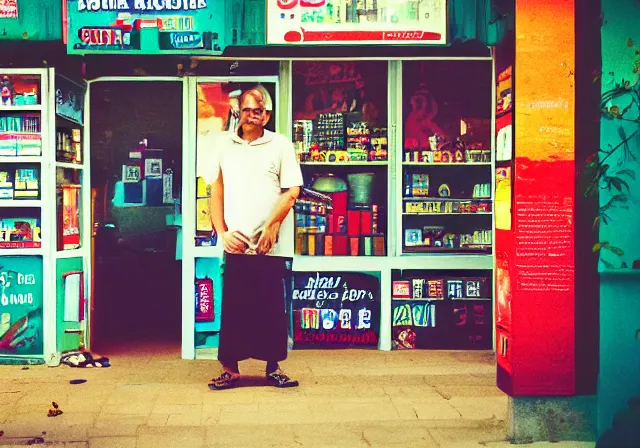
(350,398)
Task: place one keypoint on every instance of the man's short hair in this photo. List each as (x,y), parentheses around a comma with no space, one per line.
(255,93)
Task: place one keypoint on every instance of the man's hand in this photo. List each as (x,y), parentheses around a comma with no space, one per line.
(268,239)
(233,244)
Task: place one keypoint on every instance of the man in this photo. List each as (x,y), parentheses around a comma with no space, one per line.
(256,183)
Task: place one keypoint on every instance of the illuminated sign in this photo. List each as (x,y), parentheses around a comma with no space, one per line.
(183,39)
(362,22)
(141,5)
(105,36)
(145,26)
(175,23)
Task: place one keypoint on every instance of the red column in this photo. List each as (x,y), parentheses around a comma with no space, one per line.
(535,272)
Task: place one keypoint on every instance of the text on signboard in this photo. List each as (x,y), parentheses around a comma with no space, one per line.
(141,5)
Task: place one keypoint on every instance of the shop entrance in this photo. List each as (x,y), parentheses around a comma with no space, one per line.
(136,157)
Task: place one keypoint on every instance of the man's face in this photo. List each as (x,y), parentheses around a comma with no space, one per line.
(252,113)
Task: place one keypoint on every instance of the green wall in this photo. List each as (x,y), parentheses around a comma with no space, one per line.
(37,20)
(619,371)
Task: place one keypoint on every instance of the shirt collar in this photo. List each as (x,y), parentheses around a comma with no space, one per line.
(267,136)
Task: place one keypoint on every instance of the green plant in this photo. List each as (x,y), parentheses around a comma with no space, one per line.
(620,104)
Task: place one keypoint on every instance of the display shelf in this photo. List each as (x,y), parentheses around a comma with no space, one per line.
(73,166)
(28,108)
(208,251)
(422,251)
(18,203)
(435,199)
(20,159)
(349,163)
(27,251)
(440,299)
(447,163)
(443,214)
(404,261)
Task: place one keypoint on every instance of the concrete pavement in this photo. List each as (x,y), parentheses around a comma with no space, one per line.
(348,398)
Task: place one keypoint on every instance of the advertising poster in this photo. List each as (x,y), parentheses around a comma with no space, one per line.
(446,313)
(21,306)
(361,22)
(145,26)
(335,309)
(8,9)
(69,100)
(219,114)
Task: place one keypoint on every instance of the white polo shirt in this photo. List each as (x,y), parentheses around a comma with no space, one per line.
(254,175)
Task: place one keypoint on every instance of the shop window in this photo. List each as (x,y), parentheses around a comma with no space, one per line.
(447,310)
(446,157)
(340,134)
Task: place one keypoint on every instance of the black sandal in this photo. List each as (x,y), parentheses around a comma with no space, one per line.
(224,381)
(279,379)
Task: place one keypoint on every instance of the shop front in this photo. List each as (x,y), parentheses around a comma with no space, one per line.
(393,234)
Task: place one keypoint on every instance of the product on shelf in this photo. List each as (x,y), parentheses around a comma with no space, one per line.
(20,135)
(444,206)
(19,183)
(27,183)
(435,237)
(68,145)
(19,90)
(6,184)
(328,224)
(447,152)
(18,233)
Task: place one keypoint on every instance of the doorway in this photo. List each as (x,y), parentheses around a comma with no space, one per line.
(136,165)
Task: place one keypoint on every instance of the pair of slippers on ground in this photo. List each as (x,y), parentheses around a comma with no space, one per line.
(84,359)
(229,381)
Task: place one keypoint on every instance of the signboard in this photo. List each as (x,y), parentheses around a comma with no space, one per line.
(21,306)
(359,22)
(145,26)
(335,309)
(8,9)
(69,100)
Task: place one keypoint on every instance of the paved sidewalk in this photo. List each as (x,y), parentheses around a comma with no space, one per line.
(347,398)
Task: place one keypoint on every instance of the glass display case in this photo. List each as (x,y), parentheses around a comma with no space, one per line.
(340,132)
(21,138)
(447,194)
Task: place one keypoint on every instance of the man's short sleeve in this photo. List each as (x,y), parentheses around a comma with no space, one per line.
(290,173)
(208,162)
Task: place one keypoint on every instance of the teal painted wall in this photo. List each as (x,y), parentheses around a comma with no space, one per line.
(37,20)
(619,371)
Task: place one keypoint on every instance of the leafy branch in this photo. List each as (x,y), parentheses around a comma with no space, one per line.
(600,175)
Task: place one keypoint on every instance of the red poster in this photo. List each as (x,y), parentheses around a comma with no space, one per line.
(8,9)
(204,300)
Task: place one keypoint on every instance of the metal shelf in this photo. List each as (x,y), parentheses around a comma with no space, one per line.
(405,261)
(435,199)
(31,108)
(17,203)
(8,252)
(349,163)
(20,159)
(445,214)
(73,166)
(447,163)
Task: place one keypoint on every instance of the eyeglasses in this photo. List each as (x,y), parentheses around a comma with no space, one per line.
(257,111)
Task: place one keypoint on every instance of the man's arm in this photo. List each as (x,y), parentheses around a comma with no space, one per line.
(230,243)
(272,225)
(281,209)
(216,205)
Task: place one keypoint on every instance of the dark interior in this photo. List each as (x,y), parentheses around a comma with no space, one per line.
(137,289)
